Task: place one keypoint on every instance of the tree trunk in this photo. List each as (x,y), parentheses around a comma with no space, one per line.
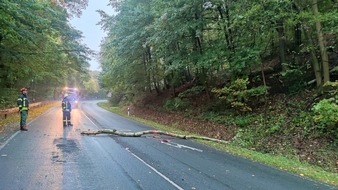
(298,42)
(154,132)
(322,46)
(147,72)
(316,69)
(281,37)
(315,63)
(225,16)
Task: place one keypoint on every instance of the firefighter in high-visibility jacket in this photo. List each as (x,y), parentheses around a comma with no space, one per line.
(23,105)
(66,109)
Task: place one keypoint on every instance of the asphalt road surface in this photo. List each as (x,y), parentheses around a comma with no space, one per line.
(50,156)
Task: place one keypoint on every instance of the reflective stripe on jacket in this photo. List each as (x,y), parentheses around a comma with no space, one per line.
(23,102)
(66,106)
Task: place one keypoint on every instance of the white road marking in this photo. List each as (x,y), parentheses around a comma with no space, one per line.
(176,145)
(16,133)
(4,144)
(159,173)
(90,120)
(93,122)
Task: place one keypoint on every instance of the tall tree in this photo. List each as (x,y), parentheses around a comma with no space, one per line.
(321,41)
(159,44)
(38,46)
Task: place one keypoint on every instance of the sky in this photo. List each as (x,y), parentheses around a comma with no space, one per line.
(87,23)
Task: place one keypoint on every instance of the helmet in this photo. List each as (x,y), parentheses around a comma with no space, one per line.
(23,89)
(65,95)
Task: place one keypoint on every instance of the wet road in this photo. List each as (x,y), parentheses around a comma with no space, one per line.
(49,156)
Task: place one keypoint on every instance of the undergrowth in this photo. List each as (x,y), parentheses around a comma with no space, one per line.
(243,144)
(33,113)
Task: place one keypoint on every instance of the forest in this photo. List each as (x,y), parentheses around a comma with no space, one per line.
(40,50)
(259,73)
(263,71)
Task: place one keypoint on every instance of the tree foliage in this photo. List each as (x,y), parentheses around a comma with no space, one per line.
(225,56)
(39,49)
(154,44)
(228,48)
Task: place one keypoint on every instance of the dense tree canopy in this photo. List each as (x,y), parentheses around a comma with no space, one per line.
(155,44)
(39,49)
(261,66)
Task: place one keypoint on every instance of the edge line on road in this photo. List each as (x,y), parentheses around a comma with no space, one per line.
(152,168)
(16,133)
(7,141)
(156,171)
(89,119)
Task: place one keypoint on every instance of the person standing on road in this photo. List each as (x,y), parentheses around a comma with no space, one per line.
(23,104)
(66,109)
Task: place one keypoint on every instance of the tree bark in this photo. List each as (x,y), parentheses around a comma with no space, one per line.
(315,63)
(281,36)
(140,133)
(298,42)
(321,41)
(225,17)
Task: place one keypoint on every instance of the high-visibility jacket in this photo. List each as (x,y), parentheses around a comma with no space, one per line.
(66,106)
(23,102)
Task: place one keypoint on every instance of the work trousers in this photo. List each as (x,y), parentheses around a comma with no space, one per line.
(23,117)
(66,118)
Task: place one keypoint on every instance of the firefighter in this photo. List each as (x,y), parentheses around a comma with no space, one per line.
(66,109)
(23,104)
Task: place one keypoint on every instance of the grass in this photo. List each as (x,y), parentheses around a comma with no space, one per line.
(33,113)
(280,162)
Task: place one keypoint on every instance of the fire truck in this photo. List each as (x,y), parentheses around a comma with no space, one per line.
(73,96)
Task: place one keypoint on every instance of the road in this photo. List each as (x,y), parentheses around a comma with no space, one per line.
(50,156)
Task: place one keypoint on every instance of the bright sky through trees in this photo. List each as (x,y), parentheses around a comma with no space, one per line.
(87,23)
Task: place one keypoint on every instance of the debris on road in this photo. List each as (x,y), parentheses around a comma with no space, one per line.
(140,133)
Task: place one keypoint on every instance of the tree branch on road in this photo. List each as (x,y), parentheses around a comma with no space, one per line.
(140,133)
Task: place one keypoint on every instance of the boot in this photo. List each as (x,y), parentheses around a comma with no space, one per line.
(24,128)
(69,124)
(64,125)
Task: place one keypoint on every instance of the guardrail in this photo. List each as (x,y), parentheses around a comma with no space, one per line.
(5,113)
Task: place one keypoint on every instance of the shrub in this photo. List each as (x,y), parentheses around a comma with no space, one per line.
(116,98)
(237,95)
(293,78)
(326,111)
(191,92)
(225,118)
(176,104)
(326,115)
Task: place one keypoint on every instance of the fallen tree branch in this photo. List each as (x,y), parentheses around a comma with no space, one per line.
(140,133)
